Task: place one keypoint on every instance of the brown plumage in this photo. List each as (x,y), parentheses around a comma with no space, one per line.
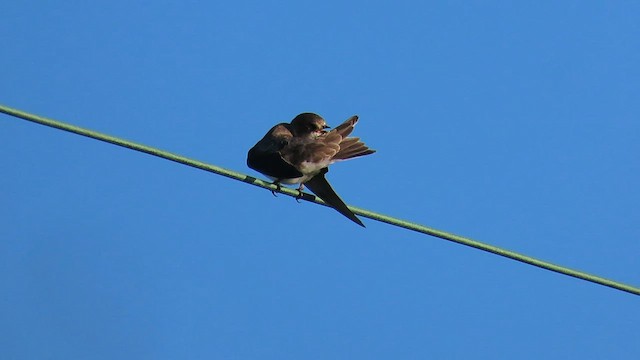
(301,151)
(314,149)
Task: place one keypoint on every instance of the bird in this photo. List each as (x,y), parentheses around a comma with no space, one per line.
(301,151)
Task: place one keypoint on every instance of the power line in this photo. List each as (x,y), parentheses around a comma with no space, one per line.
(311,198)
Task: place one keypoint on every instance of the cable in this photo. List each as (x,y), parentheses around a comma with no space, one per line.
(311,198)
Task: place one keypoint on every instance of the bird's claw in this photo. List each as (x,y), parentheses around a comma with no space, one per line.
(300,193)
(278,187)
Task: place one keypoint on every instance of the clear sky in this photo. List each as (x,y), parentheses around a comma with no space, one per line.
(513,123)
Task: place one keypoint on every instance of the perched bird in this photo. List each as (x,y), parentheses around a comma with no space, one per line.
(301,151)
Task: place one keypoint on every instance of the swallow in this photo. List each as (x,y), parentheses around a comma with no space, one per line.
(301,151)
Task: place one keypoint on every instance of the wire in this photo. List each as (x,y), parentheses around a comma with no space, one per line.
(311,198)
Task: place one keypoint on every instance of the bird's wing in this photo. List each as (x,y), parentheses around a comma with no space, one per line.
(265,156)
(349,147)
(310,154)
(321,187)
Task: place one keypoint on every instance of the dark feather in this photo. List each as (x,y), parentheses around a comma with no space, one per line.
(271,164)
(265,156)
(320,186)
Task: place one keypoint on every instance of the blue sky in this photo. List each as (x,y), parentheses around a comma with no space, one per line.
(514,123)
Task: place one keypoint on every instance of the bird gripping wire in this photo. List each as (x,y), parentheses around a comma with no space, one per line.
(308,197)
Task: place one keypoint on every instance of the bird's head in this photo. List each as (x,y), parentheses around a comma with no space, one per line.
(307,124)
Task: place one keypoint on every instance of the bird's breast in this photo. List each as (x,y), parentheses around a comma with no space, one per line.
(290,181)
(312,168)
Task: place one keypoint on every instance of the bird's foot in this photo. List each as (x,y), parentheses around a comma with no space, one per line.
(300,193)
(278,187)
